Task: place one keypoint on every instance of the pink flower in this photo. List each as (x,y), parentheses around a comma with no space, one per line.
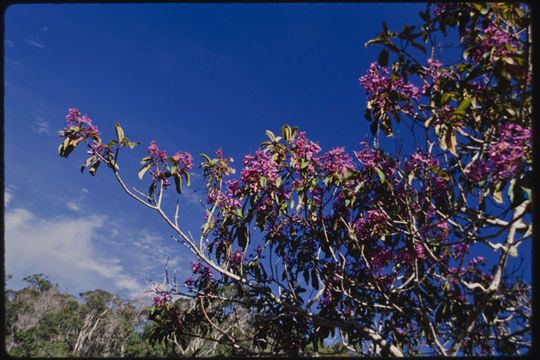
(183,160)
(378,87)
(154,150)
(505,157)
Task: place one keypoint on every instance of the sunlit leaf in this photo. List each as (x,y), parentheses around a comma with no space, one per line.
(143,170)
(119,132)
(382,178)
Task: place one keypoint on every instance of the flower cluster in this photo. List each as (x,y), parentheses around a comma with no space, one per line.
(505,157)
(371,226)
(388,93)
(177,165)
(495,42)
(236,258)
(337,161)
(158,155)
(204,279)
(161,298)
(259,166)
(82,124)
(183,160)
(302,148)
(440,9)
(432,75)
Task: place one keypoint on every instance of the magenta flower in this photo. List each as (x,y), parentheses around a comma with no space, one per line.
(154,150)
(505,157)
(379,85)
(183,160)
(496,42)
(236,258)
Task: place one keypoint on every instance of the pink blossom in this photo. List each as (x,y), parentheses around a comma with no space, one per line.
(184,160)
(379,84)
(505,157)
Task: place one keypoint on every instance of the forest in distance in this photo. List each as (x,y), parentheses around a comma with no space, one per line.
(43,320)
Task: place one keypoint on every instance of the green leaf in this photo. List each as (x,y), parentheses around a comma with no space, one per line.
(294,131)
(263,181)
(242,237)
(418,46)
(511,190)
(497,196)
(145,159)
(383,57)
(88,162)
(445,97)
(94,167)
(314,280)
(441,173)
(279,181)
(286,132)
(178,182)
(132,144)
(205,157)
(152,188)
(374,41)
(382,178)
(119,132)
(143,170)
(270,135)
(465,104)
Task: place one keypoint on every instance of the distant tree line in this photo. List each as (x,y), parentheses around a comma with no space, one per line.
(41,320)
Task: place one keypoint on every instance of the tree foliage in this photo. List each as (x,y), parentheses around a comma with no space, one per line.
(43,321)
(377,251)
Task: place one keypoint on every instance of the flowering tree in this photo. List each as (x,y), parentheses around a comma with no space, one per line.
(381,252)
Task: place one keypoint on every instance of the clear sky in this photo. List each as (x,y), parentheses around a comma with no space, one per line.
(193,77)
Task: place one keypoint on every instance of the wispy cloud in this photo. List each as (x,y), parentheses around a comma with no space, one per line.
(40,125)
(9,44)
(73,206)
(13,63)
(35,43)
(64,249)
(7,197)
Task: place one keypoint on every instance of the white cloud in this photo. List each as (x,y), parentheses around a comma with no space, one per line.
(65,250)
(9,44)
(73,206)
(35,43)
(7,197)
(44,28)
(84,190)
(40,125)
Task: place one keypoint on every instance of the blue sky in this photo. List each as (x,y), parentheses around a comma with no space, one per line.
(193,77)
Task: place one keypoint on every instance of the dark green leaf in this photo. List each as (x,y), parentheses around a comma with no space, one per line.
(383,57)
(314,280)
(178,182)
